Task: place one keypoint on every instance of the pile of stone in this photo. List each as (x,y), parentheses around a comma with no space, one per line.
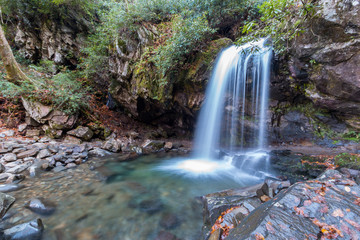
(18,156)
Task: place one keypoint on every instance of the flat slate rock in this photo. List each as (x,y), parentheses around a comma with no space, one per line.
(325,208)
(5,202)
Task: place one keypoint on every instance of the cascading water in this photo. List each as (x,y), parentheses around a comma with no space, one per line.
(239,86)
(233,117)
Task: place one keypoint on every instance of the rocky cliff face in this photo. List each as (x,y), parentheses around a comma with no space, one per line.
(327,56)
(58,40)
(140,91)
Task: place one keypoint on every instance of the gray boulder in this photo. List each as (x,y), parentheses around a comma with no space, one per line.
(84,133)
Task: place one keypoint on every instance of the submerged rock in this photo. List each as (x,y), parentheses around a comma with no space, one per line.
(151,206)
(169,221)
(30,231)
(41,206)
(10,187)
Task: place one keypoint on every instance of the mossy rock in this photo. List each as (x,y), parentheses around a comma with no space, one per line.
(203,61)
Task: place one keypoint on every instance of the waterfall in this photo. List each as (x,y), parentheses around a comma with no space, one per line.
(233,118)
(237,91)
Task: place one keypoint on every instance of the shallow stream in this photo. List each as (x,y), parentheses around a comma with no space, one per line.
(131,200)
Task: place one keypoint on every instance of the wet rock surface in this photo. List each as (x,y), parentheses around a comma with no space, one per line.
(41,206)
(326,207)
(5,202)
(30,231)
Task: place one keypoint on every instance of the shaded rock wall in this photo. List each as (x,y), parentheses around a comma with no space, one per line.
(326,60)
(141,91)
(56,38)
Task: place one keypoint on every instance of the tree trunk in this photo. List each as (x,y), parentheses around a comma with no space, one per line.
(13,71)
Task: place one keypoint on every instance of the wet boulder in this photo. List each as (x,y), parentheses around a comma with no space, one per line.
(5,202)
(112,145)
(41,206)
(30,231)
(151,206)
(29,153)
(11,187)
(327,207)
(216,203)
(153,145)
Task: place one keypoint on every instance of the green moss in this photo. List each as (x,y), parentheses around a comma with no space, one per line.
(348,160)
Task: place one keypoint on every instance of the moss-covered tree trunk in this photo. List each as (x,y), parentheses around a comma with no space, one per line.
(13,71)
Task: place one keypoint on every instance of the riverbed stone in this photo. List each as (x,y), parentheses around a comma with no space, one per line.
(31,230)
(9,157)
(8,133)
(72,140)
(22,127)
(153,145)
(151,206)
(14,178)
(98,152)
(11,187)
(84,133)
(2,168)
(33,133)
(112,145)
(41,206)
(59,168)
(169,221)
(5,202)
(168,146)
(29,153)
(53,148)
(44,153)
(19,168)
(18,150)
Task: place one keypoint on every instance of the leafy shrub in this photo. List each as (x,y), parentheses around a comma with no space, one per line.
(281,20)
(64,91)
(348,160)
(186,34)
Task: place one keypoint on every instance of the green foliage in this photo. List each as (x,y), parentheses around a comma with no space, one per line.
(282,21)
(190,25)
(348,160)
(63,91)
(186,34)
(49,8)
(218,10)
(351,136)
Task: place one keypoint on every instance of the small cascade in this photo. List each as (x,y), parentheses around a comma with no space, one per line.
(230,138)
(237,95)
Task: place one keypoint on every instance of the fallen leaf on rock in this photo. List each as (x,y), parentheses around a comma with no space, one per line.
(270,228)
(328,231)
(324,209)
(265,198)
(259,237)
(337,213)
(307,203)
